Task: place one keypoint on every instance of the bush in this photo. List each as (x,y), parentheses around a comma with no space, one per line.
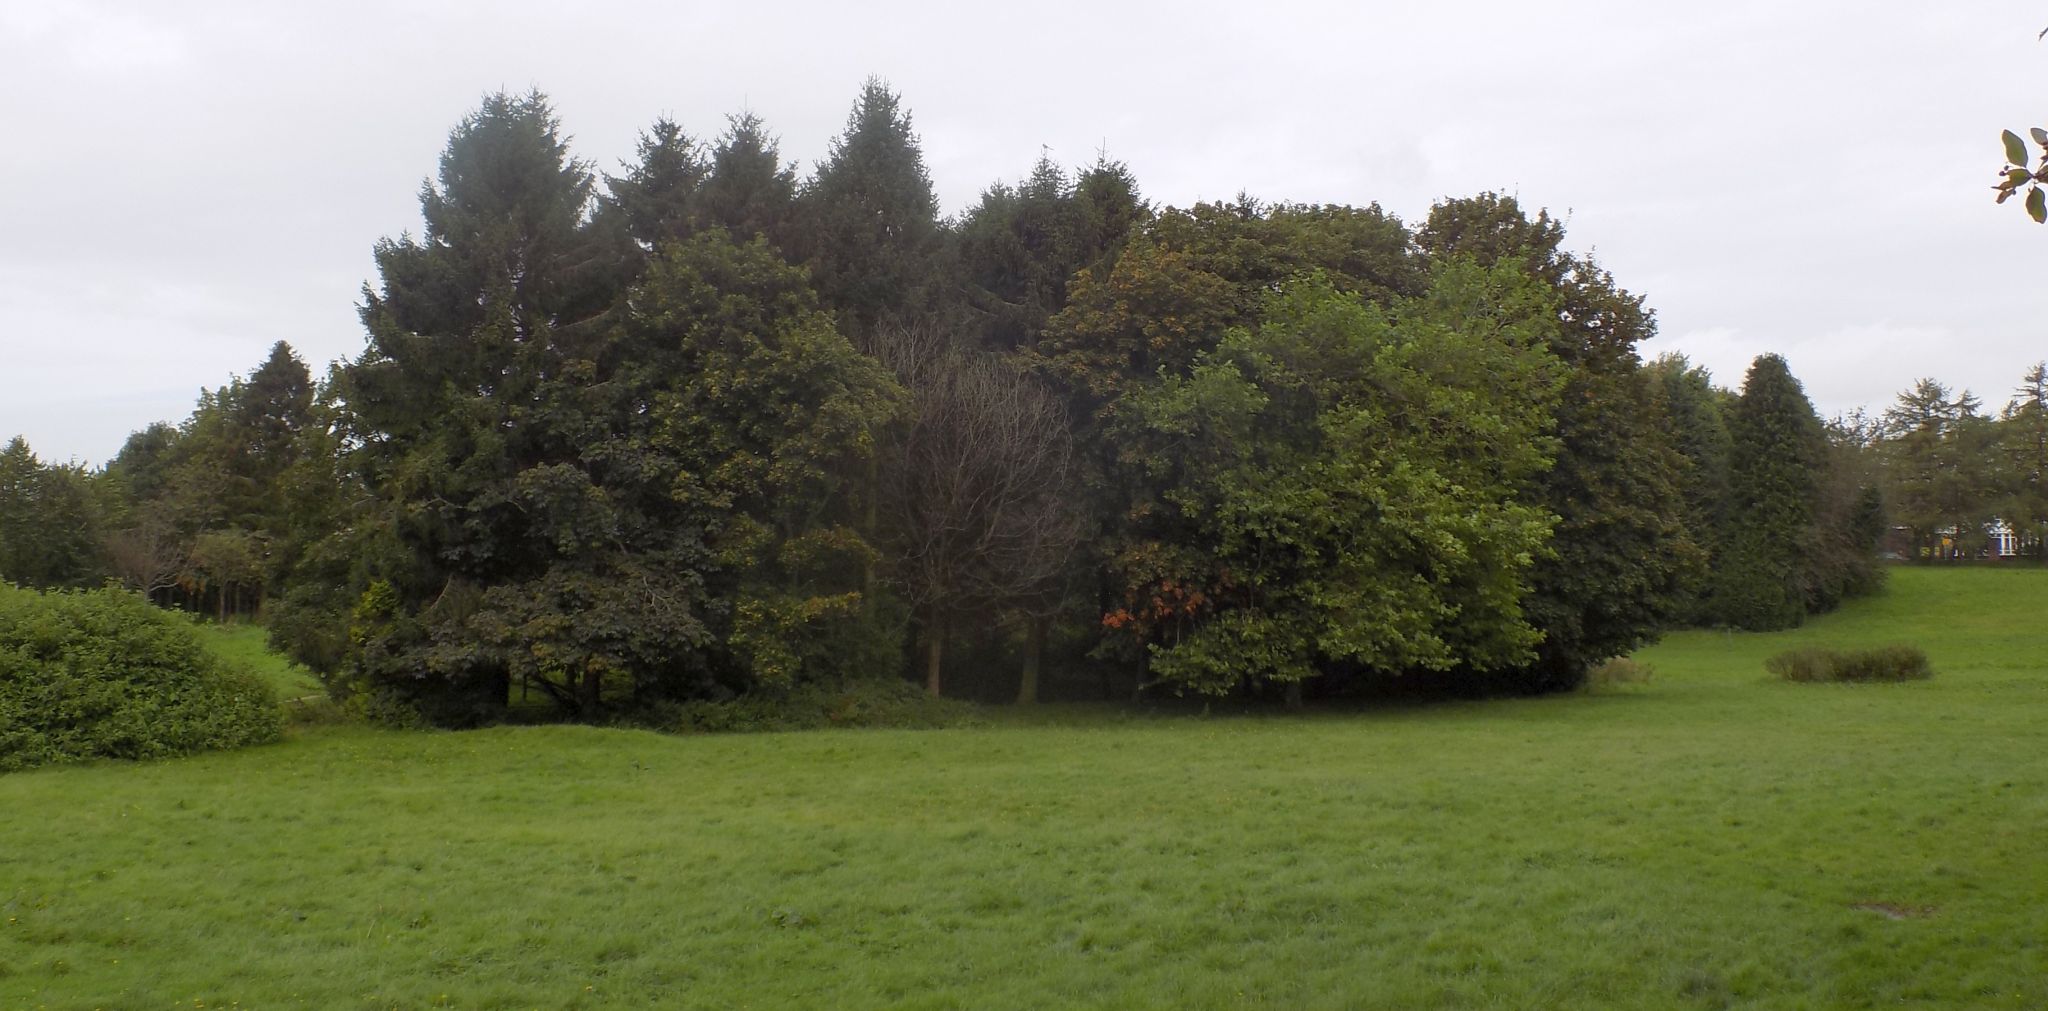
(103,674)
(1618,671)
(852,703)
(1882,663)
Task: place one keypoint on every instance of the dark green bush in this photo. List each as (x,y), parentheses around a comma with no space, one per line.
(853,703)
(103,674)
(1881,663)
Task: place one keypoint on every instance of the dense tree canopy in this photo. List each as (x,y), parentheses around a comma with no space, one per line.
(1619,553)
(701,429)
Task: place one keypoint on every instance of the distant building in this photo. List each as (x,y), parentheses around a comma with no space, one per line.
(2001,541)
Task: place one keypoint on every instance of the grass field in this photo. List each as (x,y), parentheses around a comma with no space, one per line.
(1711,839)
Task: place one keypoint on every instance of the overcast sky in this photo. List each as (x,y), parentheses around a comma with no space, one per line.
(182,184)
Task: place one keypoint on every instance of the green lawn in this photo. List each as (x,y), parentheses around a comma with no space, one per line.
(1711,839)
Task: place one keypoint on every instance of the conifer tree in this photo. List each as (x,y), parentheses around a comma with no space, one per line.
(1700,434)
(48,521)
(1776,449)
(869,220)
(1940,466)
(749,191)
(657,200)
(1018,249)
(465,410)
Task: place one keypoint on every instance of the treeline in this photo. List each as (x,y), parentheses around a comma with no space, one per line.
(703,429)
(1961,483)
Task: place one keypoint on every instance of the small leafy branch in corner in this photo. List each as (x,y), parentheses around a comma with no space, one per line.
(2016,174)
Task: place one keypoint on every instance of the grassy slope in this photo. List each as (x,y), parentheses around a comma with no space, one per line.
(249,645)
(1704,841)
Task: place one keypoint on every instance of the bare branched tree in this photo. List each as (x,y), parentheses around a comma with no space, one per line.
(150,555)
(979,490)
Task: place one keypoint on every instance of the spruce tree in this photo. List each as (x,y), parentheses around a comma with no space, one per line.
(1018,249)
(749,191)
(464,403)
(656,201)
(869,220)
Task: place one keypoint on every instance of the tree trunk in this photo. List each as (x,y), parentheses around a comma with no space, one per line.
(934,641)
(1144,671)
(592,690)
(869,581)
(1034,648)
(1294,695)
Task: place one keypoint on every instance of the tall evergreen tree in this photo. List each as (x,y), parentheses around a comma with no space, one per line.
(1775,462)
(1017,250)
(1699,433)
(749,191)
(869,219)
(1938,460)
(464,410)
(48,521)
(658,200)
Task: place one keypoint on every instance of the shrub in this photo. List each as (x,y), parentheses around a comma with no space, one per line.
(103,674)
(1882,663)
(1618,671)
(852,703)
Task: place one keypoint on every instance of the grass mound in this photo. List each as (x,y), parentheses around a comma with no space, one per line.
(102,674)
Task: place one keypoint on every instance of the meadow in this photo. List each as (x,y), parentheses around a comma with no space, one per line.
(1710,839)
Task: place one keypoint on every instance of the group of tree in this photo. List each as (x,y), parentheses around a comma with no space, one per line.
(705,428)
(1787,511)
(1954,474)
(207,515)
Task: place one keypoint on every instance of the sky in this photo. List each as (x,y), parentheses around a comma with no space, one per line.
(183,184)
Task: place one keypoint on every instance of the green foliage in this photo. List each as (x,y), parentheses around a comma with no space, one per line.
(2023,447)
(1016,250)
(1186,277)
(1940,468)
(2016,173)
(749,191)
(1878,663)
(1700,435)
(1620,554)
(215,514)
(1850,519)
(1350,473)
(102,674)
(611,497)
(869,221)
(1774,477)
(48,521)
